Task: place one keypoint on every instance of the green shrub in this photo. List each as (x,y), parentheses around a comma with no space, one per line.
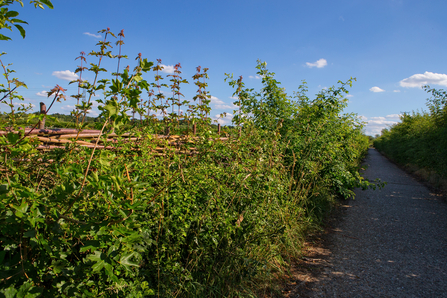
(134,222)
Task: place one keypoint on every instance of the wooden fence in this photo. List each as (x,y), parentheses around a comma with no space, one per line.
(55,138)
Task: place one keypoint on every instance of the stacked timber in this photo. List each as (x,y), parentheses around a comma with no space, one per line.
(57,138)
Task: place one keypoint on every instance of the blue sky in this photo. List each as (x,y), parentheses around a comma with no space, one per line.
(392,47)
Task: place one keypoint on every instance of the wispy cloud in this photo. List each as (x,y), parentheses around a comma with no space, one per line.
(376,89)
(220,104)
(375,125)
(92,34)
(393,117)
(65,75)
(42,93)
(254,77)
(397,91)
(427,78)
(318,64)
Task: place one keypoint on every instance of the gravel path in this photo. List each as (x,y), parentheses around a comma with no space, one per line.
(387,243)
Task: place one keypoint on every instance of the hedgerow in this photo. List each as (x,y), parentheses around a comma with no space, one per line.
(420,139)
(219,215)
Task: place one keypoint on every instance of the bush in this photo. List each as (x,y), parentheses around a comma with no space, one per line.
(208,217)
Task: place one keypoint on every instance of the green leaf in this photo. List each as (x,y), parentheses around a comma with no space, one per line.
(58,266)
(146,65)
(90,244)
(12,137)
(22,208)
(28,291)
(99,258)
(2,37)
(29,234)
(9,292)
(127,262)
(137,78)
(47,3)
(112,109)
(4,188)
(22,31)
(18,21)
(11,14)
(109,271)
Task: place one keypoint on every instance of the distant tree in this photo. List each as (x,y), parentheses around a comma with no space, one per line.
(8,17)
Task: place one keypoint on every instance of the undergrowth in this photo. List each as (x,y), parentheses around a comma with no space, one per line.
(134,222)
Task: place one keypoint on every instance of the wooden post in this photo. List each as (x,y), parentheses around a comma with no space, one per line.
(194,129)
(218,128)
(43,110)
(167,130)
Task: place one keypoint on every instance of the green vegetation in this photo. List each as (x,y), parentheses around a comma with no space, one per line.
(8,18)
(131,222)
(55,120)
(420,139)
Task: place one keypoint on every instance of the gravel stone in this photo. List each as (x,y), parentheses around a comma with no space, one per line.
(386,243)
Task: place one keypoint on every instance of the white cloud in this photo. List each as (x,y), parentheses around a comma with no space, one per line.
(394,116)
(92,35)
(376,124)
(168,68)
(215,100)
(376,89)
(18,104)
(319,64)
(254,77)
(349,95)
(93,113)
(396,91)
(220,104)
(65,75)
(42,93)
(427,78)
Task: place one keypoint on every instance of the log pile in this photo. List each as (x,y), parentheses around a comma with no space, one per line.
(50,139)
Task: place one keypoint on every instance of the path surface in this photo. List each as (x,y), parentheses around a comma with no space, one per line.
(388,243)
